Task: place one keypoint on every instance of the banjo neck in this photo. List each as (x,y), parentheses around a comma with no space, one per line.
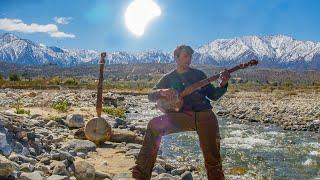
(193,87)
(100,84)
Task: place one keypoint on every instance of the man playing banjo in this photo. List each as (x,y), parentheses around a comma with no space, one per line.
(195,114)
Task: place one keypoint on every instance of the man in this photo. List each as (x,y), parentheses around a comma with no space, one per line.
(195,115)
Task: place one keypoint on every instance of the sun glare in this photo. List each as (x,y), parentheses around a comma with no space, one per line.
(139,13)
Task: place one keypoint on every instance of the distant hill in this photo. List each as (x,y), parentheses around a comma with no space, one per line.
(153,72)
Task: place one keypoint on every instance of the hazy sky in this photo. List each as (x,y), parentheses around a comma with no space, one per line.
(100,24)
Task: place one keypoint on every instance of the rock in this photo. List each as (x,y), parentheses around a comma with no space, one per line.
(186,176)
(105,163)
(133,152)
(78,145)
(18,147)
(32,94)
(31,176)
(141,129)
(43,168)
(65,155)
(52,123)
(122,176)
(133,146)
(102,175)
(20,158)
(32,151)
(6,167)
(26,167)
(74,121)
(159,169)
(79,134)
(179,171)
(57,177)
(119,122)
(84,171)
(119,135)
(81,155)
(31,136)
(256,108)
(3,140)
(6,150)
(166,176)
(60,169)
(110,101)
(34,116)
(253,120)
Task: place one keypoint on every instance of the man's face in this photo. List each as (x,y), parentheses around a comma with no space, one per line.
(184,59)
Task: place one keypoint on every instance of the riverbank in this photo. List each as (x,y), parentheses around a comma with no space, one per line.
(43,144)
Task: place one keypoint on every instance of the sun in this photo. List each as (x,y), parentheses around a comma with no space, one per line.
(139,13)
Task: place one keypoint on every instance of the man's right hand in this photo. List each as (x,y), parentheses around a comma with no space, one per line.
(168,93)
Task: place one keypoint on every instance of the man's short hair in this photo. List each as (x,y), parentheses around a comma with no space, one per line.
(180,48)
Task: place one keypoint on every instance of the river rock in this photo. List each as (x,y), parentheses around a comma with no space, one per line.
(26,167)
(179,171)
(31,176)
(166,176)
(6,167)
(57,177)
(120,135)
(60,169)
(84,171)
(186,176)
(79,145)
(158,169)
(74,121)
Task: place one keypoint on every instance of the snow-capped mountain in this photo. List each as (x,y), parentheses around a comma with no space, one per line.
(22,51)
(277,51)
(272,51)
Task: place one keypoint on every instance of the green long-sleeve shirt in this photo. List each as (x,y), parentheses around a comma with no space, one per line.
(198,100)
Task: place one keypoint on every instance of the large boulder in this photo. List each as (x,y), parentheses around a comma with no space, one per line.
(74,121)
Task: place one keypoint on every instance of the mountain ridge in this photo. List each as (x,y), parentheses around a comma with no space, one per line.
(276,51)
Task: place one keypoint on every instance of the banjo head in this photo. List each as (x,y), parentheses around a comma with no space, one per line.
(98,130)
(166,105)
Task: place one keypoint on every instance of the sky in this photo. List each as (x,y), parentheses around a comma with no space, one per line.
(100,24)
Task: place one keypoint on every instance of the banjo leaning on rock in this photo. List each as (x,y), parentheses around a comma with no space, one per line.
(98,129)
(175,104)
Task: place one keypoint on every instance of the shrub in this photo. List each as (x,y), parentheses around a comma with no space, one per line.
(14,77)
(22,111)
(61,105)
(71,81)
(56,80)
(115,112)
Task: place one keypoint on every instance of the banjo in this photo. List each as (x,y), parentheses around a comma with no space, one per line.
(175,104)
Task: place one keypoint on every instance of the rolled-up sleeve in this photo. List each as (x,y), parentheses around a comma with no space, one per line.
(212,92)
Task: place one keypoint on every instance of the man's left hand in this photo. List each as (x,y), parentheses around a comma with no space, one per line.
(224,78)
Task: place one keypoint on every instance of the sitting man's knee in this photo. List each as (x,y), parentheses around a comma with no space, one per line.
(155,125)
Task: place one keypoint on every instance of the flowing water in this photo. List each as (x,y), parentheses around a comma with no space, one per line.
(249,150)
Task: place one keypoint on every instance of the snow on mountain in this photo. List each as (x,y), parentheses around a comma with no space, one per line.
(276,51)
(272,51)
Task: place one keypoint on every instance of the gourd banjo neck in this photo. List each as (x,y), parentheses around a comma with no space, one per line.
(190,89)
